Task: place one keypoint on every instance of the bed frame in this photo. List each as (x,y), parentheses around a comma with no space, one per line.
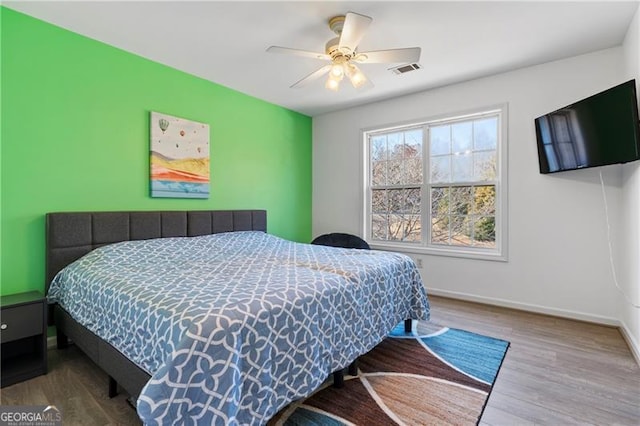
(70,236)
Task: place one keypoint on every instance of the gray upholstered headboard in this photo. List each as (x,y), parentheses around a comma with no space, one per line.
(71,235)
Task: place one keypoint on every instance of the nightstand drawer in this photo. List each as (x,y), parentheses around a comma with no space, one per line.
(21,321)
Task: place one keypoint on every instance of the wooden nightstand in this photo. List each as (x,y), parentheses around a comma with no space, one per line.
(23,335)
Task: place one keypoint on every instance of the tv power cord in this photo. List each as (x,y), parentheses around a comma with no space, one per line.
(613,266)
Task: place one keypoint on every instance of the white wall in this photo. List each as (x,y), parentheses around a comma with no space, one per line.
(630,277)
(558,253)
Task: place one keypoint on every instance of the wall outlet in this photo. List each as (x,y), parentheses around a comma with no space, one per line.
(418,262)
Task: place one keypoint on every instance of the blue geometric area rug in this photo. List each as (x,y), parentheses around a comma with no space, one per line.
(433,375)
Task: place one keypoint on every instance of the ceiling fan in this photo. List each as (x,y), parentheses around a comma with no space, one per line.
(343,54)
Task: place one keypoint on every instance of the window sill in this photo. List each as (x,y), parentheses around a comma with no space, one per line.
(467,253)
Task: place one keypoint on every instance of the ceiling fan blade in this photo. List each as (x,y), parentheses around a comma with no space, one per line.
(311,77)
(405,56)
(298,52)
(354,28)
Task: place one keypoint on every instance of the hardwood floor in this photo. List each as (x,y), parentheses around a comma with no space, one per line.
(78,387)
(556,372)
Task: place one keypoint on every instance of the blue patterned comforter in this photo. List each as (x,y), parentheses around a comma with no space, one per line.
(232,327)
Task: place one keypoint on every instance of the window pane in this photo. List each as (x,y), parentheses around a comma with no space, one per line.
(461,198)
(379,173)
(484,200)
(440,215)
(460,231)
(439,229)
(440,140)
(484,230)
(440,201)
(395,146)
(379,225)
(396,200)
(379,201)
(413,170)
(484,165)
(413,143)
(395,174)
(396,227)
(462,137)
(412,200)
(412,228)
(440,169)
(485,133)
(378,148)
(462,168)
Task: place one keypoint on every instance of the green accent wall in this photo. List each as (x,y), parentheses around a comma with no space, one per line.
(75,137)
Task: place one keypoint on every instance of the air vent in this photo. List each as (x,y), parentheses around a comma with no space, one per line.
(402,69)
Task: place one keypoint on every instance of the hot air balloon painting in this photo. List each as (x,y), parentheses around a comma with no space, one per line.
(179,157)
(164,124)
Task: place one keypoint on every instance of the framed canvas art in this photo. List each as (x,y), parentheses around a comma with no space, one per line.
(179,157)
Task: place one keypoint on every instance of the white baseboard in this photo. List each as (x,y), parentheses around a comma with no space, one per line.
(614,322)
(631,342)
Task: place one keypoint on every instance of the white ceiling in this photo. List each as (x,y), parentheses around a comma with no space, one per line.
(225,42)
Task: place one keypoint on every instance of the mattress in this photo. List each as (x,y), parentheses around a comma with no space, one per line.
(234,326)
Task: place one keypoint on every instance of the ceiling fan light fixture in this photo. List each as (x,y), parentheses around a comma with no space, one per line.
(337,71)
(332,83)
(356,76)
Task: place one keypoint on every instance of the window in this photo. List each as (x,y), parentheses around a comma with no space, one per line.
(437,186)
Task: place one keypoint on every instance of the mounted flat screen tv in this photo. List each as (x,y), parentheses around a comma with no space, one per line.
(599,130)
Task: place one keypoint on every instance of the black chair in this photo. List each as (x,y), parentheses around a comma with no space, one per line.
(338,239)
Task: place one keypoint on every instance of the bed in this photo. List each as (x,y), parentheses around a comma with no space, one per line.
(248,323)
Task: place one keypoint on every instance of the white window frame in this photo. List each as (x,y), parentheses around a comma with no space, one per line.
(498,253)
